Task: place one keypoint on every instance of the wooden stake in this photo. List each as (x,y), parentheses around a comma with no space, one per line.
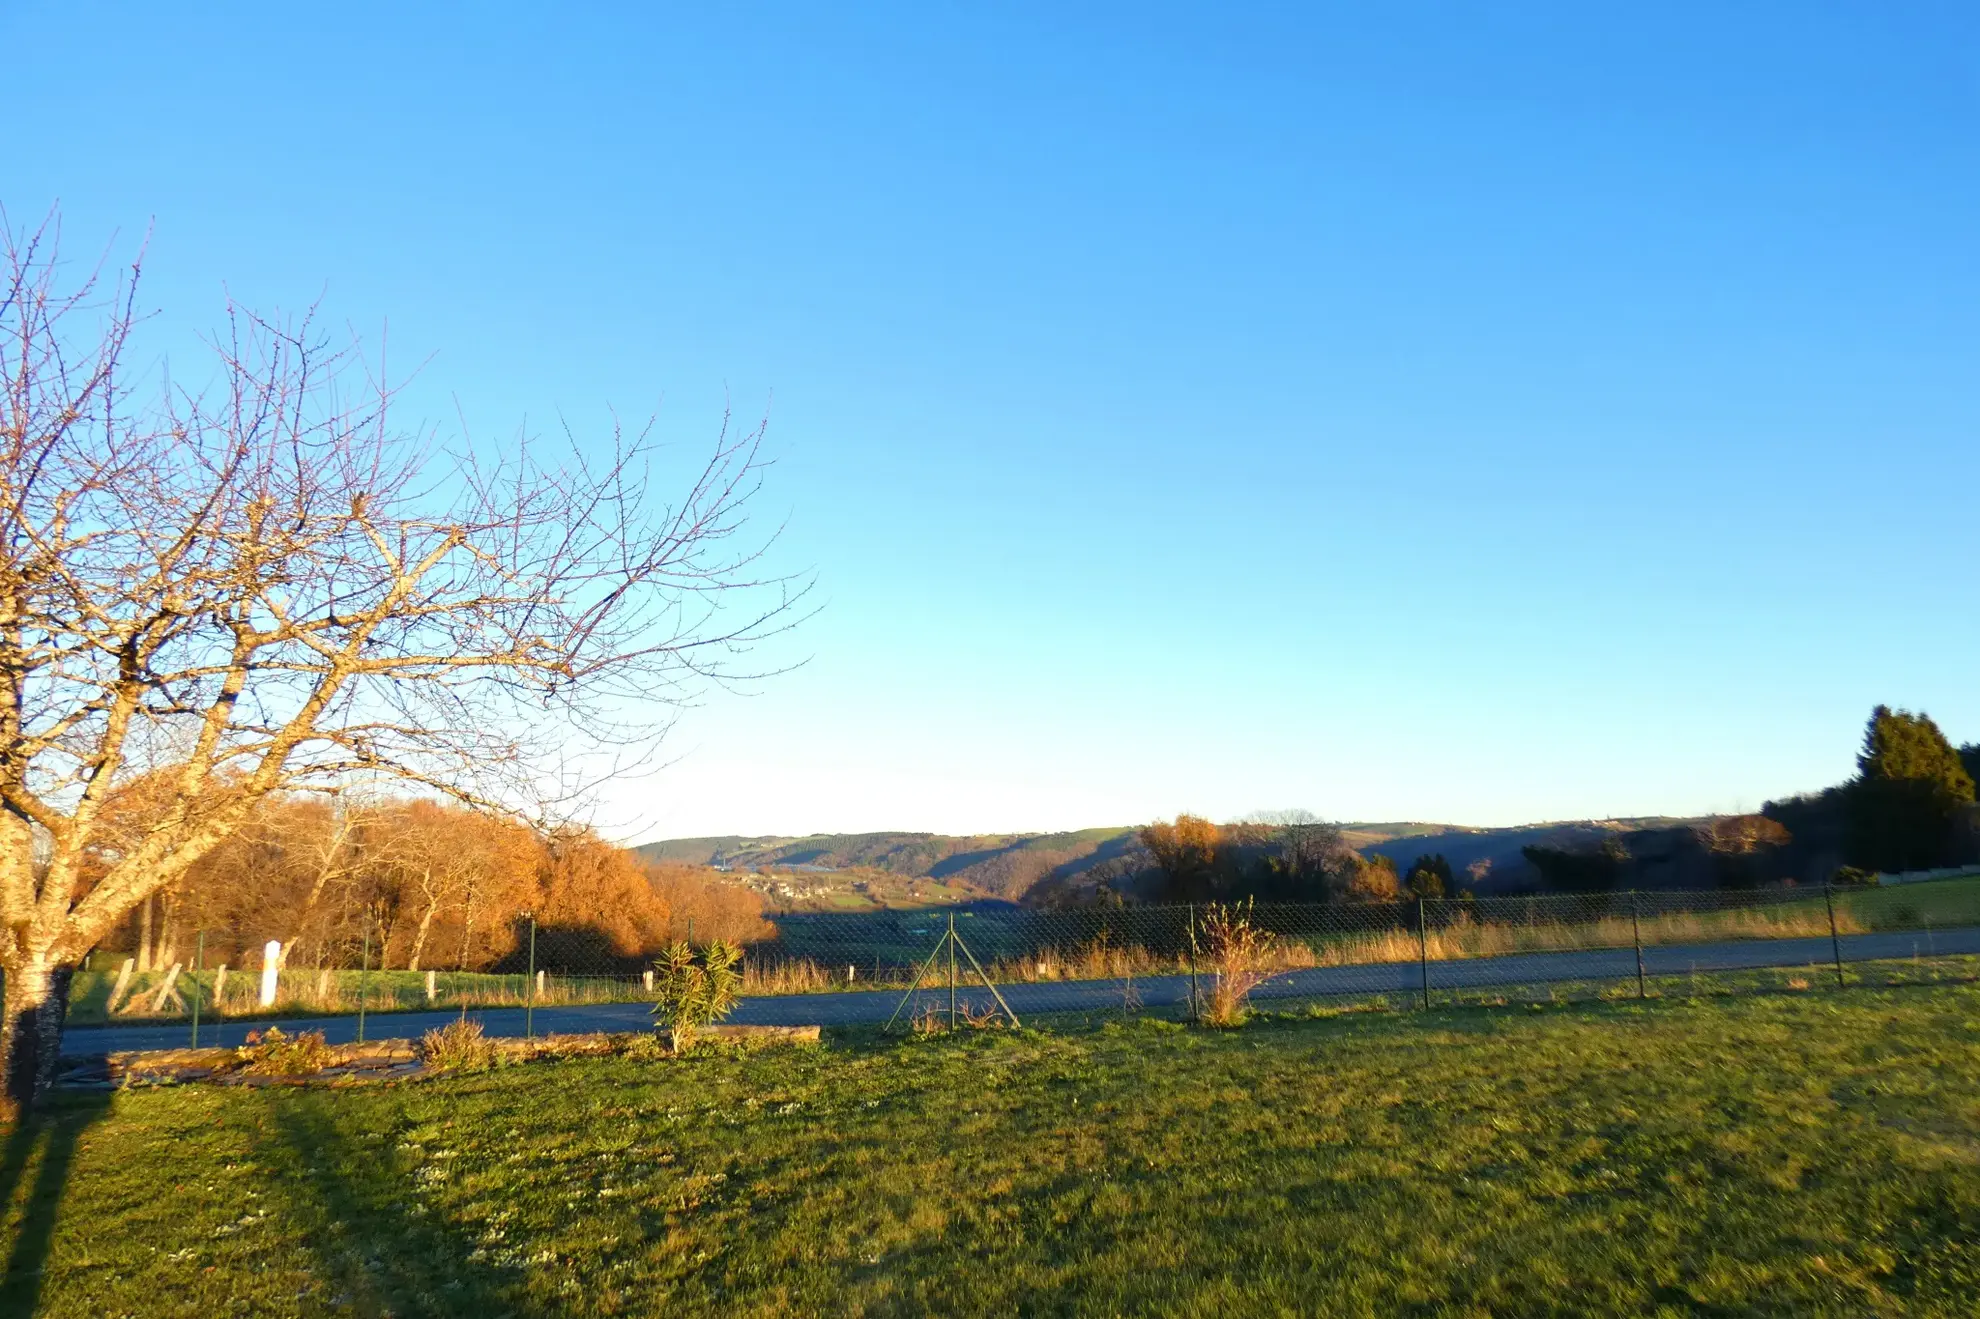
(165,989)
(123,983)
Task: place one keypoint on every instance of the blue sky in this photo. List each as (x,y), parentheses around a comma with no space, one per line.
(1461,412)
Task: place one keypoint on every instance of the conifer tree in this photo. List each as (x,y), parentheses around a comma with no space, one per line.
(1429,876)
(1909,792)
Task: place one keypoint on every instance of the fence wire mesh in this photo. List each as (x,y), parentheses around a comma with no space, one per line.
(1180,961)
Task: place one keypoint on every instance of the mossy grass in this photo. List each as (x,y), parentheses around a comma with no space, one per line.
(1788,1153)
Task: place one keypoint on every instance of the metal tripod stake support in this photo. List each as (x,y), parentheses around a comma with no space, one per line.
(952,943)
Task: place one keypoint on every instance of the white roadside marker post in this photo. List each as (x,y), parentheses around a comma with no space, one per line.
(271,968)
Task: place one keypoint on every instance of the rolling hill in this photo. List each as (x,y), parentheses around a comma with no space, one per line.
(1011,865)
(1494,852)
(1003,864)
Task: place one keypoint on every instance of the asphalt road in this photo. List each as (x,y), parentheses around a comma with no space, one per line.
(876,1006)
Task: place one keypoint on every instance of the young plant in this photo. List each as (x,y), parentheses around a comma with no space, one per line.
(1238,953)
(272,1053)
(695,990)
(458,1046)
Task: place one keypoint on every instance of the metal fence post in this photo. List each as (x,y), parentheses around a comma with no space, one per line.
(1636,937)
(952,971)
(1195,998)
(1835,939)
(1423,948)
(529,1004)
(364,975)
(199,964)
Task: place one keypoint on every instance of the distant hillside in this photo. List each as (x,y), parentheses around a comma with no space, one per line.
(1004,864)
(1012,865)
(1361,835)
(702,851)
(1494,852)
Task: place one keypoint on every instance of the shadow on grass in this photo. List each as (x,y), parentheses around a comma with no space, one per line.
(52,1135)
(379,1253)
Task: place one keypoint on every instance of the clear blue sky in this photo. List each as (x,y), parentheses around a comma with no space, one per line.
(1480,412)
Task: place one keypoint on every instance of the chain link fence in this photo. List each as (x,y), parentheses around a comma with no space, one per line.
(1179,960)
(999,962)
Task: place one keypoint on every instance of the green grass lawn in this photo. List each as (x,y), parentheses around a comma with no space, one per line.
(1793,1154)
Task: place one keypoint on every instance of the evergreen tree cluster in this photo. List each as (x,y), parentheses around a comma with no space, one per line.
(1429,877)
(1912,791)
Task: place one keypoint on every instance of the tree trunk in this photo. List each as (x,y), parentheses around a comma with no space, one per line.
(467,929)
(326,867)
(144,935)
(419,940)
(167,953)
(305,925)
(35,1000)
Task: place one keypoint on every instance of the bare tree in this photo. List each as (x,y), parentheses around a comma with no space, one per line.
(1307,848)
(328,856)
(262,587)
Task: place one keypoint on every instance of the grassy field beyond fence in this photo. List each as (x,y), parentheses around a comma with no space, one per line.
(1023,946)
(328,992)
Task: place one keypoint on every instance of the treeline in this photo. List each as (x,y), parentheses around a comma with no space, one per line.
(1287,857)
(422,885)
(1909,806)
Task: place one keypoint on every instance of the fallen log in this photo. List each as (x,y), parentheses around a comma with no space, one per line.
(766,1034)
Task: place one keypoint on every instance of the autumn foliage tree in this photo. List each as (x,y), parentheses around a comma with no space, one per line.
(1186,852)
(601,903)
(265,588)
(1281,855)
(593,900)
(427,884)
(1366,879)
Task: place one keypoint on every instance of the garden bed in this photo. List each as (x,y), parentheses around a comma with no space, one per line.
(379,1060)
